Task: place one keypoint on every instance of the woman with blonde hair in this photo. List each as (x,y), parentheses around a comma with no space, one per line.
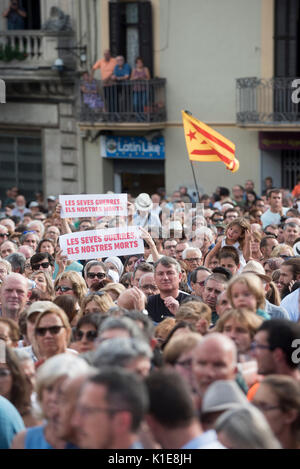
(44,283)
(247,291)
(50,377)
(282,250)
(98,302)
(71,283)
(52,333)
(114,290)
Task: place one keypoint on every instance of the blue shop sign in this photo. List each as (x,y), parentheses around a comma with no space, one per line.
(135,148)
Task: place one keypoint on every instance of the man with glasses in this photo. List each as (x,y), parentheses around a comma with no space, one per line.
(52,233)
(42,261)
(169,246)
(198,277)
(4,234)
(94,273)
(275,348)
(147,284)
(266,246)
(167,276)
(110,409)
(181,246)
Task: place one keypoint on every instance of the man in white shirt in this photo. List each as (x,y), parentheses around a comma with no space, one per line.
(276,211)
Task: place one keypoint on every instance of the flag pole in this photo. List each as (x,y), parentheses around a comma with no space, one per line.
(195,181)
(192,166)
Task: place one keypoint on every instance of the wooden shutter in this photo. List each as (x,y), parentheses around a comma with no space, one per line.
(117,31)
(146,35)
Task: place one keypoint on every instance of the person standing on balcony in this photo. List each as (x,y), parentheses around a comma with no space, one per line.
(140,73)
(15,16)
(106,66)
(122,73)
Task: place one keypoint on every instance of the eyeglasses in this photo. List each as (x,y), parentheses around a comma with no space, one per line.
(149,287)
(99,275)
(255,345)
(54,330)
(271,234)
(4,372)
(193,259)
(63,289)
(45,265)
(89,335)
(201,283)
(86,411)
(4,234)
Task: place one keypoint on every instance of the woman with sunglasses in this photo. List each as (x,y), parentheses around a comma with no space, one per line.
(95,272)
(70,283)
(86,332)
(52,333)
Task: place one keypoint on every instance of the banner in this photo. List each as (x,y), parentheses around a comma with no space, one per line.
(91,205)
(95,244)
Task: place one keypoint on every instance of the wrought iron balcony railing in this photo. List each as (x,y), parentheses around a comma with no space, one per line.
(141,101)
(266,101)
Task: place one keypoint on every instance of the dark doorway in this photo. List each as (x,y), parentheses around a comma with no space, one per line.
(33,10)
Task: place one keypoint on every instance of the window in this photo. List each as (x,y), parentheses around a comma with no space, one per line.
(33,10)
(131,31)
(20,164)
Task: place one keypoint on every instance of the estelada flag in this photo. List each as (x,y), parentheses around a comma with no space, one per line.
(205,144)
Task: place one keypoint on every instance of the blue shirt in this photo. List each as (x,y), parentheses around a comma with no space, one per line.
(207,440)
(122,72)
(11,423)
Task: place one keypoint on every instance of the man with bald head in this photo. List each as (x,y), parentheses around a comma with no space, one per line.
(14,294)
(147,285)
(215,358)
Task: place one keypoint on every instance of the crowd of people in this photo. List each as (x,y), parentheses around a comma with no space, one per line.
(194,344)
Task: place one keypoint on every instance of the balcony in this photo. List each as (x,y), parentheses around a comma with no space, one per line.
(266,103)
(25,51)
(130,104)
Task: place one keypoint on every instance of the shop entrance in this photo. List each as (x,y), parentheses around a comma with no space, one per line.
(138,176)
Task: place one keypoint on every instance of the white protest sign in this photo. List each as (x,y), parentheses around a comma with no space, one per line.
(91,205)
(95,244)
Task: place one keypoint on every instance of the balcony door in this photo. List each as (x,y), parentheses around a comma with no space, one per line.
(33,10)
(131,31)
(287,57)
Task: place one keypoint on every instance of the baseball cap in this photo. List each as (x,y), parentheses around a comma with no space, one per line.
(223,395)
(39,307)
(51,197)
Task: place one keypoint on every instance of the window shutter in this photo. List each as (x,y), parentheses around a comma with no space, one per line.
(146,35)
(117,30)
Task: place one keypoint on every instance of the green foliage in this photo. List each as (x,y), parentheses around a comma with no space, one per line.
(7,53)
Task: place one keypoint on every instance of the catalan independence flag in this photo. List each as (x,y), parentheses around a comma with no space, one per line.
(205,144)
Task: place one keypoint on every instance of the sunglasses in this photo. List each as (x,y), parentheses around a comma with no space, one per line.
(99,275)
(91,336)
(54,330)
(45,265)
(4,234)
(63,289)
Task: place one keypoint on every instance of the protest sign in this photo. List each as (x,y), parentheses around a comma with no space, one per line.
(91,205)
(95,244)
